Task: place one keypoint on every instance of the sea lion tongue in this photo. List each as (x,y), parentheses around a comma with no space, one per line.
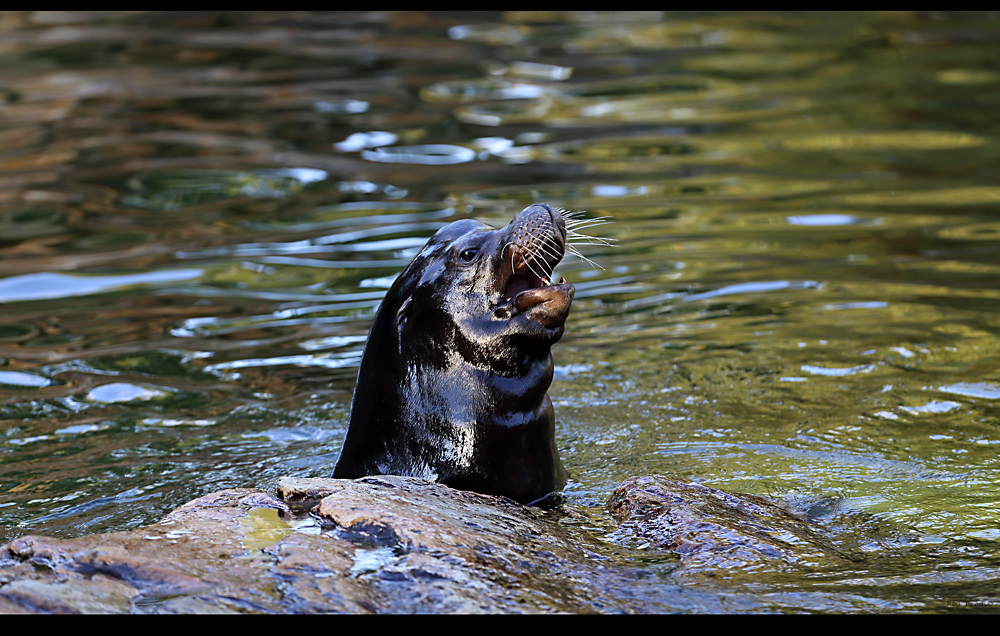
(548,306)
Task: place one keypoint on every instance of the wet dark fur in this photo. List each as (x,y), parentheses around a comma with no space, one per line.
(453,378)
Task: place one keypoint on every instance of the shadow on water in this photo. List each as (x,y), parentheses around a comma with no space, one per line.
(200,212)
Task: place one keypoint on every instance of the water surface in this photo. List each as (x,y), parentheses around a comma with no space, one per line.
(200,212)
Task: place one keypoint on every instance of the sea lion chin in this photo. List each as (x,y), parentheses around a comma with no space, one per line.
(453,377)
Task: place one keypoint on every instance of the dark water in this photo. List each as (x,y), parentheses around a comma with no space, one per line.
(200,212)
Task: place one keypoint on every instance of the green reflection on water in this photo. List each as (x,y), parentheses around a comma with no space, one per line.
(802,301)
(172,191)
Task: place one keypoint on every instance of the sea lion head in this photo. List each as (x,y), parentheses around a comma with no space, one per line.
(453,378)
(486,294)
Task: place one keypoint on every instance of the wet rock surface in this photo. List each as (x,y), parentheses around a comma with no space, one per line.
(395,544)
(719,532)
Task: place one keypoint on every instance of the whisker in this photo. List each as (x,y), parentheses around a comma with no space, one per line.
(549,250)
(575,222)
(537,245)
(585,223)
(548,254)
(591,240)
(576,229)
(529,263)
(575,252)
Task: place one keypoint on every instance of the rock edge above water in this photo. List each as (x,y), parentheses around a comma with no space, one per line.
(397,544)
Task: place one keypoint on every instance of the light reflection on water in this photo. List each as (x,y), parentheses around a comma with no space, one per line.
(800,301)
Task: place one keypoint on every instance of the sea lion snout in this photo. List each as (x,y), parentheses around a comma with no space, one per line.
(533,244)
(536,241)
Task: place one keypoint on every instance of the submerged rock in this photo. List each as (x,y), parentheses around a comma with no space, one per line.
(404,545)
(716,531)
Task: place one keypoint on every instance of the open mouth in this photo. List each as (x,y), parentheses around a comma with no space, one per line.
(535,242)
(535,248)
(528,276)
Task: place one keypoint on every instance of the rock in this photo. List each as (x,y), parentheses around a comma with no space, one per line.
(426,547)
(382,544)
(403,545)
(717,532)
(186,562)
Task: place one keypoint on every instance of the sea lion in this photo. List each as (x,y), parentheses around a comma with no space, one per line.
(453,377)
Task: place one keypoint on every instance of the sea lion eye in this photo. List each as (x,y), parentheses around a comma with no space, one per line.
(468,255)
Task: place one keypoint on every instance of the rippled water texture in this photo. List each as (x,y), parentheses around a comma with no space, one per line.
(200,212)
